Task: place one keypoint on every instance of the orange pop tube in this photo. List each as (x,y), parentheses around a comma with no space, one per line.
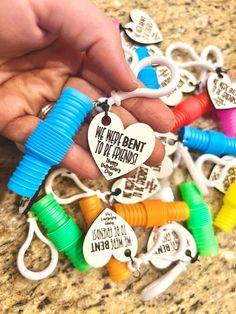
(91,207)
(152,213)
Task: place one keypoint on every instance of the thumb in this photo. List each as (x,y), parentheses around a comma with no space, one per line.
(85,26)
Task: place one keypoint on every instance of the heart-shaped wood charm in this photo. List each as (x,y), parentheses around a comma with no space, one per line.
(137,188)
(109,235)
(143,29)
(170,142)
(221,91)
(168,246)
(164,169)
(187,84)
(116,150)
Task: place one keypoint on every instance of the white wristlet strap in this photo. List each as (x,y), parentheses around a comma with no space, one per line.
(32,275)
(193,170)
(104,196)
(163,283)
(118,97)
(137,262)
(201,60)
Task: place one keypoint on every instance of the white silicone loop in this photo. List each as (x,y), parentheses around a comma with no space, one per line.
(212,158)
(193,170)
(133,56)
(165,194)
(118,97)
(25,272)
(145,258)
(163,283)
(206,52)
(104,196)
(197,60)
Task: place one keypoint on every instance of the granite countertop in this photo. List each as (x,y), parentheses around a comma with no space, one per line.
(208,286)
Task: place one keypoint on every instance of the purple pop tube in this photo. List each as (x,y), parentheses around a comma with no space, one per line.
(227,118)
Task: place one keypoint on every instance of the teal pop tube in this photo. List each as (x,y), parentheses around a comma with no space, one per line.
(148,75)
(208,142)
(50,141)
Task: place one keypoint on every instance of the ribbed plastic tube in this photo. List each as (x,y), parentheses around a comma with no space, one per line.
(200,220)
(61,230)
(228,121)
(226,218)
(148,75)
(152,213)
(208,142)
(50,141)
(190,109)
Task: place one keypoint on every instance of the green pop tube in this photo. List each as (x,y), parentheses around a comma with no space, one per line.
(61,230)
(200,220)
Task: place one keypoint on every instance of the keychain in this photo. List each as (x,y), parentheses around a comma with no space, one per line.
(185,253)
(25,272)
(116,150)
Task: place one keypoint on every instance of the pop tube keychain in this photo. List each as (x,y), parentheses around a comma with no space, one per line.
(221,91)
(116,150)
(25,272)
(185,254)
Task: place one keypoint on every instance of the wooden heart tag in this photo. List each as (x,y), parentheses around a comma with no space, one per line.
(137,188)
(116,150)
(109,235)
(143,29)
(221,91)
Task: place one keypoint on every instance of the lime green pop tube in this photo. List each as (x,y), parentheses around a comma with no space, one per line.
(200,220)
(61,230)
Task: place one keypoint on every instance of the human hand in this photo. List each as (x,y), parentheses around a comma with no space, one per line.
(47,45)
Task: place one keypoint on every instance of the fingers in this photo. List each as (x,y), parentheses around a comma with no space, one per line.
(77,159)
(152,112)
(85,26)
(80,162)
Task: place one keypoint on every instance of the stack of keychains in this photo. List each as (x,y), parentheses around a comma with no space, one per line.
(146,199)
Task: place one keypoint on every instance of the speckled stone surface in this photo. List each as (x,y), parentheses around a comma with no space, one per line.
(208,287)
